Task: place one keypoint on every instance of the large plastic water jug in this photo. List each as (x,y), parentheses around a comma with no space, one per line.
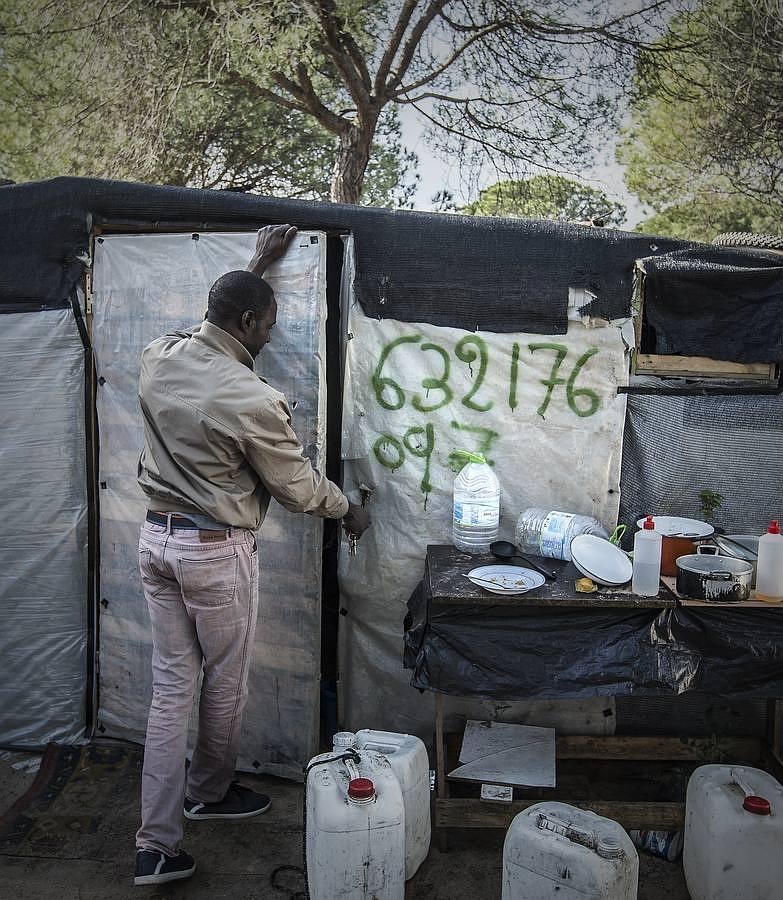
(733,834)
(354,830)
(476,514)
(543,532)
(408,758)
(553,850)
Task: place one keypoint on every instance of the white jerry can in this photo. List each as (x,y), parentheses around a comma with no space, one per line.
(408,757)
(553,850)
(733,834)
(355,831)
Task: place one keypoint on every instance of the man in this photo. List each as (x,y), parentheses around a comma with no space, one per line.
(218,445)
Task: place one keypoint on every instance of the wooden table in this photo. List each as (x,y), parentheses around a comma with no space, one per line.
(446,588)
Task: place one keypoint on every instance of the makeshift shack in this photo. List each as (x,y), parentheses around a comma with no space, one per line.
(603,372)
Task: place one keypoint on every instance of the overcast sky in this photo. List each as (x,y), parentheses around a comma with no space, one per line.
(437,174)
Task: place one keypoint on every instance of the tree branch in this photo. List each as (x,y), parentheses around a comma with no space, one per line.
(43,30)
(490,145)
(426,79)
(411,45)
(393,45)
(342,49)
(306,101)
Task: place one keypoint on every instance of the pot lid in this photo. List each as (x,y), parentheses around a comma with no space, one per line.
(743,546)
(596,558)
(707,565)
(669,526)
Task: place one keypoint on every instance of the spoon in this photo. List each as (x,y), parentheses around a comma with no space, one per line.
(506,550)
(493,584)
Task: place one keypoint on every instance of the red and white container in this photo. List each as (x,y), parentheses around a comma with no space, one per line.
(733,834)
(355,829)
(769,570)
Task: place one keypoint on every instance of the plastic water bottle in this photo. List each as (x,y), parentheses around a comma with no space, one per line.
(665,844)
(646,560)
(542,532)
(476,505)
(769,571)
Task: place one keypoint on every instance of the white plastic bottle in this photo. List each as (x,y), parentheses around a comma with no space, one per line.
(646,560)
(476,505)
(769,571)
(549,533)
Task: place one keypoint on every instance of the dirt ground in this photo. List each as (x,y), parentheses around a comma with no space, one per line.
(75,840)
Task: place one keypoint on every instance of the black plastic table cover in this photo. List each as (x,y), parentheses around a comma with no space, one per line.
(521,653)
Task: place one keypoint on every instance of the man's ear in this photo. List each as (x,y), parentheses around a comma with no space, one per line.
(247,318)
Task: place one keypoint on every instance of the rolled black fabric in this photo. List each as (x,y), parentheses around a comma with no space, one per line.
(490,274)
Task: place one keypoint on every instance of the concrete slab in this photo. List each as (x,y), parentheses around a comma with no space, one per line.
(78,843)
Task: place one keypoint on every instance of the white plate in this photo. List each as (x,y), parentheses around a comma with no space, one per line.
(596,558)
(668,525)
(506,579)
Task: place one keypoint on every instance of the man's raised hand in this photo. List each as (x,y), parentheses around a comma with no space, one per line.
(271,243)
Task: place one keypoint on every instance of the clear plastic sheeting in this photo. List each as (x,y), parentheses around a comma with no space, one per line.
(146,285)
(43,551)
(675,447)
(544,410)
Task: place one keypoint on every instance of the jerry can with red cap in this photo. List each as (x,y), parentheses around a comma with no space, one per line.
(354,827)
(733,834)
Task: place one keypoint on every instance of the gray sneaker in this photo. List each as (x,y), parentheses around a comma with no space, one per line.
(154,867)
(239,803)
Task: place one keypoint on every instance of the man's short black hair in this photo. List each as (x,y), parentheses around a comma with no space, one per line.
(235,292)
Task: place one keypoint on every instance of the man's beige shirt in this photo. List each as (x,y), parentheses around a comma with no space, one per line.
(218,439)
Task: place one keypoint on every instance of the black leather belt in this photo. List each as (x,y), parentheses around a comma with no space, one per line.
(177,521)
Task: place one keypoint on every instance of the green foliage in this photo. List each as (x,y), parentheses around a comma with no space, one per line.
(710,501)
(546,197)
(712,213)
(155,97)
(282,97)
(704,148)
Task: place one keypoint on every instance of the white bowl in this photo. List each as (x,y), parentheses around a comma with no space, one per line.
(596,558)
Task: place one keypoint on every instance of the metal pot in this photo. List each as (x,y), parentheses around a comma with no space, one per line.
(705,576)
(740,546)
(672,548)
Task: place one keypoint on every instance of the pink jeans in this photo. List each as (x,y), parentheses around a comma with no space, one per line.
(202,594)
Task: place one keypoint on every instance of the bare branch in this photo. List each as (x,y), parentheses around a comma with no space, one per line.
(305,91)
(265,93)
(393,44)
(479,35)
(411,45)
(342,49)
(306,100)
(485,142)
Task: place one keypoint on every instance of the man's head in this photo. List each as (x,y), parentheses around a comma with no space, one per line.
(243,304)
